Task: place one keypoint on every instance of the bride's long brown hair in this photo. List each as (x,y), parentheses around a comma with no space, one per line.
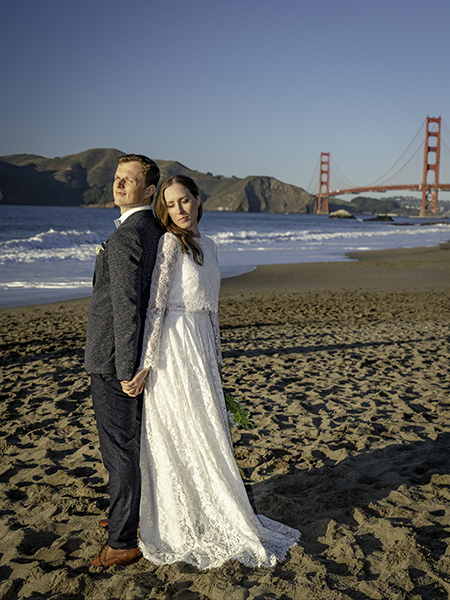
(186,237)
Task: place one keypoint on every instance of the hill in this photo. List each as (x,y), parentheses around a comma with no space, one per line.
(367,205)
(85,179)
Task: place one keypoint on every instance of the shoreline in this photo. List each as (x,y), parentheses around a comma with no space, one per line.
(417,269)
(369,269)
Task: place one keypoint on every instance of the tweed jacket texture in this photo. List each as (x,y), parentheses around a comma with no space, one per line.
(122,278)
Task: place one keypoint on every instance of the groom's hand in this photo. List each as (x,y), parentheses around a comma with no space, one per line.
(127,389)
(136,385)
(131,389)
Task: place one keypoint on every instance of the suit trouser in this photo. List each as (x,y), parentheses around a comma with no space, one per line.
(119,431)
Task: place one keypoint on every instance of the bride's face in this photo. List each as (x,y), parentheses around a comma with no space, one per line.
(182,207)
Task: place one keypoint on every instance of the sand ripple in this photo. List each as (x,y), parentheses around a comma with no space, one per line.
(350,394)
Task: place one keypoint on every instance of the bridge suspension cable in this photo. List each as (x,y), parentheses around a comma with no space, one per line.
(314,175)
(340,180)
(402,167)
(399,159)
(442,139)
(346,182)
(445,125)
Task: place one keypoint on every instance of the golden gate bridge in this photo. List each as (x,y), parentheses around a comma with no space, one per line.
(429,186)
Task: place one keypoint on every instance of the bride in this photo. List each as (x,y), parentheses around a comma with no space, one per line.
(194,507)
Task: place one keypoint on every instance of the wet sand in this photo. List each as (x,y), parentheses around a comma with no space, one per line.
(345,369)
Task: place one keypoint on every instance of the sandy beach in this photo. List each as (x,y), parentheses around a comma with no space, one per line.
(345,368)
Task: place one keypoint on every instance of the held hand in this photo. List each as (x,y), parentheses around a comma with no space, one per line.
(134,387)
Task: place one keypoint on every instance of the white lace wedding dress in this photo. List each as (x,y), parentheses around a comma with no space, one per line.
(194,507)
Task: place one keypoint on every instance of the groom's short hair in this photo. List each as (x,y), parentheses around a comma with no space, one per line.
(149,168)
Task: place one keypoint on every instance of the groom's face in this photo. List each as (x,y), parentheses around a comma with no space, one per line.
(129,186)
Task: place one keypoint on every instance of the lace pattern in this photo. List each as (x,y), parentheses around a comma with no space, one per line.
(194,507)
(178,283)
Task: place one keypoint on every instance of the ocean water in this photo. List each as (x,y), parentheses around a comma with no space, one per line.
(48,253)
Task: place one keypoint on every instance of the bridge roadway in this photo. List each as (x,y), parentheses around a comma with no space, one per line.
(386,188)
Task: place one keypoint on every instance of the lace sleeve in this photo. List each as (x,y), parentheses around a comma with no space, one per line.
(215,323)
(161,281)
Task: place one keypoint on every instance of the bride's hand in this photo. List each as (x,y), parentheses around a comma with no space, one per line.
(136,385)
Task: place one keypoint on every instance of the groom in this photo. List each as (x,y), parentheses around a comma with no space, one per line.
(122,278)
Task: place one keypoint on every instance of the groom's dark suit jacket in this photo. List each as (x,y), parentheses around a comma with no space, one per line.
(122,277)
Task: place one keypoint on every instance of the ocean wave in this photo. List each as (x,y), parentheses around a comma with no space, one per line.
(49,285)
(241,240)
(59,246)
(51,245)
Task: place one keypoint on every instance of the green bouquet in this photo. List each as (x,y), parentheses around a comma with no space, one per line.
(238,416)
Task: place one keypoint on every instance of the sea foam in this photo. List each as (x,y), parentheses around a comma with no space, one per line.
(50,245)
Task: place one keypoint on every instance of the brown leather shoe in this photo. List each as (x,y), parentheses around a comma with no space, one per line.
(111,556)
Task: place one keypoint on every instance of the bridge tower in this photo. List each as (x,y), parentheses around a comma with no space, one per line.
(324,184)
(429,195)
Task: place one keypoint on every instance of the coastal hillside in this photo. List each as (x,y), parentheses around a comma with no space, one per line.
(85,179)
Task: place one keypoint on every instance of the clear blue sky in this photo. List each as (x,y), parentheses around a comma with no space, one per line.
(235,87)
